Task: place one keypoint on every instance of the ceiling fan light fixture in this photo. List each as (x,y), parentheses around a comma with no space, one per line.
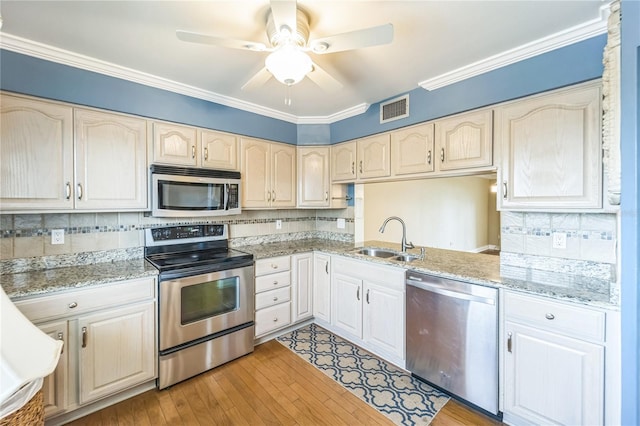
(288,64)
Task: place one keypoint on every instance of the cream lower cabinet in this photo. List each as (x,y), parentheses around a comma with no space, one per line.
(268,174)
(273,294)
(551,150)
(322,287)
(301,286)
(109,341)
(368,306)
(554,362)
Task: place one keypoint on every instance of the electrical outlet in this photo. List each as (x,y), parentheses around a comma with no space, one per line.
(278,224)
(559,240)
(341,223)
(57,236)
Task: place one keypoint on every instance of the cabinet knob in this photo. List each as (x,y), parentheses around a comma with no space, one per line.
(549,316)
(73,305)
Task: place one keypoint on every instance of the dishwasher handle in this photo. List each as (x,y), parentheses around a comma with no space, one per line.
(435,288)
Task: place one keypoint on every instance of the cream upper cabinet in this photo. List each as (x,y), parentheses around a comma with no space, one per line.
(313,176)
(465,141)
(219,150)
(412,150)
(268,174)
(36,155)
(374,159)
(551,150)
(174,144)
(343,162)
(111,161)
(362,159)
(48,164)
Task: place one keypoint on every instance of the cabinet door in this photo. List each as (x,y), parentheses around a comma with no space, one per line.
(347,308)
(256,173)
(552,379)
(343,162)
(301,286)
(283,175)
(383,318)
(36,154)
(174,144)
(219,150)
(465,141)
(111,161)
(313,176)
(412,150)
(55,384)
(373,156)
(117,350)
(321,287)
(551,150)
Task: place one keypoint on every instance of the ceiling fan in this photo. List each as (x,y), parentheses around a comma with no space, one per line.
(288,32)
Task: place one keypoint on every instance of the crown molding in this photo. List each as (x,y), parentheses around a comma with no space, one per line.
(567,37)
(65,57)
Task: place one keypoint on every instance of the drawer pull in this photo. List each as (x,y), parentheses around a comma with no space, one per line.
(275,320)
(73,305)
(84,337)
(549,316)
(275,283)
(275,299)
(274,266)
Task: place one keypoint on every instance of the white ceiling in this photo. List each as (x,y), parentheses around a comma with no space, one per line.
(435,43)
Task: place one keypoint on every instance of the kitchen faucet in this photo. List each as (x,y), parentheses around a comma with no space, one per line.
(404,243)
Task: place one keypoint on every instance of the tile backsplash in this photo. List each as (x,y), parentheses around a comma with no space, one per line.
(24,236)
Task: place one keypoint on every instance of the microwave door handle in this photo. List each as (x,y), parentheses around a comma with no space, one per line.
(226,196)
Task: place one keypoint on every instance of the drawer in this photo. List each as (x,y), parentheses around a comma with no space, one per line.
(272,265)
(573,321)
(273,318)
(272,297)
(273,281)
(41,308)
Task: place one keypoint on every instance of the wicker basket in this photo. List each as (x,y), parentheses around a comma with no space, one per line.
(31,413)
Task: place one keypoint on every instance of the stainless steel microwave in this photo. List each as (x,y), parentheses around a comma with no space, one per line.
(191,192)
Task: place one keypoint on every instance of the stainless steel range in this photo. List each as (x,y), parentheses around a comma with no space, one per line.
(205,299)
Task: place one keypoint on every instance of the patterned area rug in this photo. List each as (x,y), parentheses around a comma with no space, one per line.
(390,390)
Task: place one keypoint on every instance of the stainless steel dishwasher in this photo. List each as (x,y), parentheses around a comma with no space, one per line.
(452,337)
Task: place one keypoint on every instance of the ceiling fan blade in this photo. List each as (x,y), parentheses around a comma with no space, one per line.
(219,41)
(284,13)
(367,37)
(260,78)
(324,79)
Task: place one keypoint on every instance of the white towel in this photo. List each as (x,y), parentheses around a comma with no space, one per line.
(27,354)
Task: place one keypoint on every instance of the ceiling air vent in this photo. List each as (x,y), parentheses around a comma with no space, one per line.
(394,109)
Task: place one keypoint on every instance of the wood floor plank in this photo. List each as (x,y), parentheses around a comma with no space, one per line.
(272,385)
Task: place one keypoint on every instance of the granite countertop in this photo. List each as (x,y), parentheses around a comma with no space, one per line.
(47,281)
(482,269)
(476,268)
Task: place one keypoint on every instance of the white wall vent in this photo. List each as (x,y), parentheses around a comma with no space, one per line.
(394,109)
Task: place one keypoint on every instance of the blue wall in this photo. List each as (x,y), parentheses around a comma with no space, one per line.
(37,77)
(561,67)
(630,235)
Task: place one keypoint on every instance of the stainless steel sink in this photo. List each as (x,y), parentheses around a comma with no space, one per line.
(405,257)
(375,252)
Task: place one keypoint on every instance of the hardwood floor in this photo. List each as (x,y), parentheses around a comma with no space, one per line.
(272,386)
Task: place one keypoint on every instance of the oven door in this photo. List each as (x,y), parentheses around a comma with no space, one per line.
(198,306)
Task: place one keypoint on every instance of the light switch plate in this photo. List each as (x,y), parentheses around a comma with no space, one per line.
(57,236)
(341,223)
(559,240)
(278,224)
